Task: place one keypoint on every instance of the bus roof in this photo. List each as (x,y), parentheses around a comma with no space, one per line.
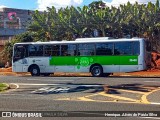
(96,38)
(86,40)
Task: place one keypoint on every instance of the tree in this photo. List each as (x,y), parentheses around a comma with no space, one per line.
(97,5)
(41,26)
(135,20)
(67,21)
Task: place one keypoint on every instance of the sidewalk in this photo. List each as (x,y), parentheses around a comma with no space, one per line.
(140,74)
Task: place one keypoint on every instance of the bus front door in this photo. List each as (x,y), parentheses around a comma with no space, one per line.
(19,59)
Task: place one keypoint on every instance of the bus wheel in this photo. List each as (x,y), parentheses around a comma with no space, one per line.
(35,71)
(97,71)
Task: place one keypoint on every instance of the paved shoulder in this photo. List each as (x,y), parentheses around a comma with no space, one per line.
(154,97)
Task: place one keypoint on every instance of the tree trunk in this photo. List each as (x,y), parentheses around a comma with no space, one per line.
(103,31)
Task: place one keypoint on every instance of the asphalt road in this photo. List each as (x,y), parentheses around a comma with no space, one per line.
(81,94)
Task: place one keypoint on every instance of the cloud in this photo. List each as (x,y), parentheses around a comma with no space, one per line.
(3,6)
(118,2)
(43,4)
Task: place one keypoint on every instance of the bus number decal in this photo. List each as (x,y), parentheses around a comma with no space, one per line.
(133,60)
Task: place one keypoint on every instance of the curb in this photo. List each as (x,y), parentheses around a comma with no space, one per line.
(82,74)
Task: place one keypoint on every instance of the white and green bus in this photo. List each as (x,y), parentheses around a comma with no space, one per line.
(99,56)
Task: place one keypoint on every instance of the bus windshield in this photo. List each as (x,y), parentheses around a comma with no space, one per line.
(20,52)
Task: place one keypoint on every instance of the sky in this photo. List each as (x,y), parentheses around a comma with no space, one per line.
(42,4)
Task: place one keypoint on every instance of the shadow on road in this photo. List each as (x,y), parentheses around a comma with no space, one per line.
(112,76)
(92,88)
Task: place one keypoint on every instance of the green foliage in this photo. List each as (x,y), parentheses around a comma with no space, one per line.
(136,20)
(3,87)
(24,37)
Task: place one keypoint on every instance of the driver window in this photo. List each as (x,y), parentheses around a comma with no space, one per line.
(20,52)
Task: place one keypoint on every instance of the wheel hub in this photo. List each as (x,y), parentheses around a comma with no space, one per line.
(97,71)
(35,71)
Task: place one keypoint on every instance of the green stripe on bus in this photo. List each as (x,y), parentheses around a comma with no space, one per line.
(89,60)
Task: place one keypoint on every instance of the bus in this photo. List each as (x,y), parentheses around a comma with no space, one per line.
(99,56)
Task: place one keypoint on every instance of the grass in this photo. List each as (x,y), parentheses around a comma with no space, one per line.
(3,87)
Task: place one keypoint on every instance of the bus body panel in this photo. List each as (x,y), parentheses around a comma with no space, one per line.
(82,68)
(81,63)
(43,63)
(111,68)
(128,68)
(89,60)
(65,68)
(17,66)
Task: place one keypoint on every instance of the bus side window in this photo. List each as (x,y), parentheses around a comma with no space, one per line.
(55,50)
(136,46)
(68,50)
(32,50)
(79,53)
(104,49)
(92,53)
(40,50)
(47,50)
(64,50)
(116,52)
(35,50)
(75,52)
(123,48)
(86,49)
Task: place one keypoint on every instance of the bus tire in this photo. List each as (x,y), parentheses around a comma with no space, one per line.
(35,71)
(97,71)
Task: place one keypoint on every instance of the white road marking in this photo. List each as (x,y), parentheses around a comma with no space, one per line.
(60,88)
(153,103)
(48,89)
(30,84)
(12,94)
(49,80)
(153,81)
(154,118)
